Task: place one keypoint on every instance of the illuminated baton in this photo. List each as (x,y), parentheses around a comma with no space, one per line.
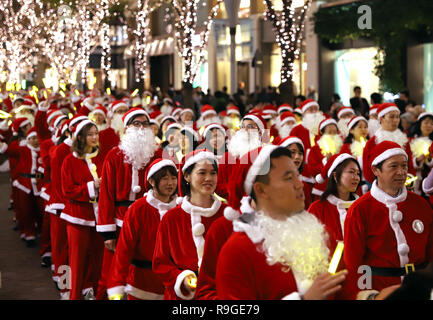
(410,179)
(62,94)
(192,282)
(336,257)
(201,130)
(108,91)
(425,149)
(363,141)
(5,115)
(77,92)
(117,296)
(134,93)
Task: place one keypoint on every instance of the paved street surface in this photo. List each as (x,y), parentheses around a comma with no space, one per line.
(22,277)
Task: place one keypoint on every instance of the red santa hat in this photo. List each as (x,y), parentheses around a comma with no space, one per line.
(287,141)
(373,109)
(425,114)
(308,104)
(174,125)
(118,104)
(18,123)
(64,126)
(233,109)
(134,112)
(331,165)
(176,111)
(186,110)
(76,119)
(223,113)
(101,110)
(213,126)
(344,110)
(352,122)
(57,119)
(385,108)
(298,111)
(384,151)
(286,117)
(28,104)
(155,166)
(243,177)
(77,129)
(87,104)
(270,109)
(168,118)
(207,110)
(257,119)
(326,122)
(155,116)
(191,131)
(31,133)
(284,107)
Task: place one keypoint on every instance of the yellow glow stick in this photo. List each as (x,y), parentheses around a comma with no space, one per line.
(179,155)
(409,180)
(272,139)
(147,99)
(425,149)
(62,93)
(62,85)
(117,296)
(363,141)
(201,130)
(192,282)
(35,89)
(158,140)
(4,114)
(220,198)
(333,265)
(109,91)
(134,93)
(77,92)
(70,115)
(45,95)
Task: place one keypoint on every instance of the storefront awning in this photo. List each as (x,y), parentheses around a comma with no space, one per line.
(157,47)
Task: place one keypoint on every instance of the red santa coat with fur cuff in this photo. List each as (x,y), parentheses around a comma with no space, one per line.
(180,244)
(120,181)
(137,241)
(78,188)
(225,167)
(45,148)
(382,231)
(58,155)
(108,139)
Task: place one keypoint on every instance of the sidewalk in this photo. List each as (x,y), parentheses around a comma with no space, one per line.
(22,277)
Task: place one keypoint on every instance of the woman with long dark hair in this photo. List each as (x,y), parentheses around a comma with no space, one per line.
(343,175)
(181,235)
(80,185)
(215,139)
(420,142)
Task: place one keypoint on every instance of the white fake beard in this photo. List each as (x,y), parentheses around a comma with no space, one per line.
(243,142)
(342,126)
(373,126)
(396,136)
(101,126)
(298,242)
(139,146)
(417,146)
(117,124)
(285,130)
(29,116)
(204,123)
(336,139)
(311,121)
(166,109)
(356,148)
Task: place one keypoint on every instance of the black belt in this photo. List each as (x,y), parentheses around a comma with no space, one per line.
(397,272)
(145,264)
(31,175)
(125,203)
(90,201)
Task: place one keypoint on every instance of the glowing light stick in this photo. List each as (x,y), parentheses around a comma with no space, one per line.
(410,179)
(117,296)
(134,93)
(179,155)
(192,282)
(425,149)
(201,130)
(333,265)
(62,94)
(108,91)
(363,141)
(5,115)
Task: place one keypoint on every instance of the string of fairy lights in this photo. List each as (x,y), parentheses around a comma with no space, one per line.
(64,34)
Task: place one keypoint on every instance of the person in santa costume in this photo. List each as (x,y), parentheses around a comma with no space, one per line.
(189,140)
(373,120)
(296,148)
(311,118)
(284,125)
(28,181)
(387,231)
(80,183)
(214,136)
(389,116)
(171,148)
(344,115)
(181,234)
(122,182)
(99,116)
(131,270)
(208,115)
(420,141)
(279,251)
(186,117)
(342,174)
(249,137)
(165,122)
(232,120)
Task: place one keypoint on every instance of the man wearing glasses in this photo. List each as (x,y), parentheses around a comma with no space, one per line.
(123,181)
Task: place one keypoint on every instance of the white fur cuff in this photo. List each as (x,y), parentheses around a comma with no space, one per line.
(292,296)
(116,290)
(91,189)
(179,282)
(3,147)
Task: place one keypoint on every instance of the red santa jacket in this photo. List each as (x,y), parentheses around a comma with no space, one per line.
(135,248)
(28,176)
(45,147)
(13,160)
(121,184)
(41,125)
(385,232)
(57,157)
(225,167)
(79,190)
(302,133)
(108,139)
(180,244)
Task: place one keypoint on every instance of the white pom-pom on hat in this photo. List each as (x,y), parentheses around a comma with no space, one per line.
(231,214)
(136,189)
(319,178)
(198,229)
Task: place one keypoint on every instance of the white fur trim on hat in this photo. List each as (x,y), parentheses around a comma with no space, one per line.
(192,131)
(230,111)
(424,114)
(197,158)
(158,166)
(344,111)
(388,154)
(81,125)
(231,214)
(174,125)
(256,166)
(309,105)
(77,119)
(256,121)
(213,126)
(387,110)
(290,141)
(354,121)
(100,112)
(57,121)
(24,123)
(342,157)
(118,105)
(186,110)
(284,108)
(327,123)
(287,120)
(31,134)
(208,112)
(134,113)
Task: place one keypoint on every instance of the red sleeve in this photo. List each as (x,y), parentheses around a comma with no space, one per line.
(315,210)
(315,163)
(71,189)
(346,148)
(217,235)
(13,149)
(368,174)
(125,248)
(42,126)
(107,196)
(56,169)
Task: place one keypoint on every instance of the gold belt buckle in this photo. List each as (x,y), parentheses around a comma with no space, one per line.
(409,265)
(38,175)
(93,201)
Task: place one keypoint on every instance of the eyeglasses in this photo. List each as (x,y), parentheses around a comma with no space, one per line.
(137,124)
(249,127)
